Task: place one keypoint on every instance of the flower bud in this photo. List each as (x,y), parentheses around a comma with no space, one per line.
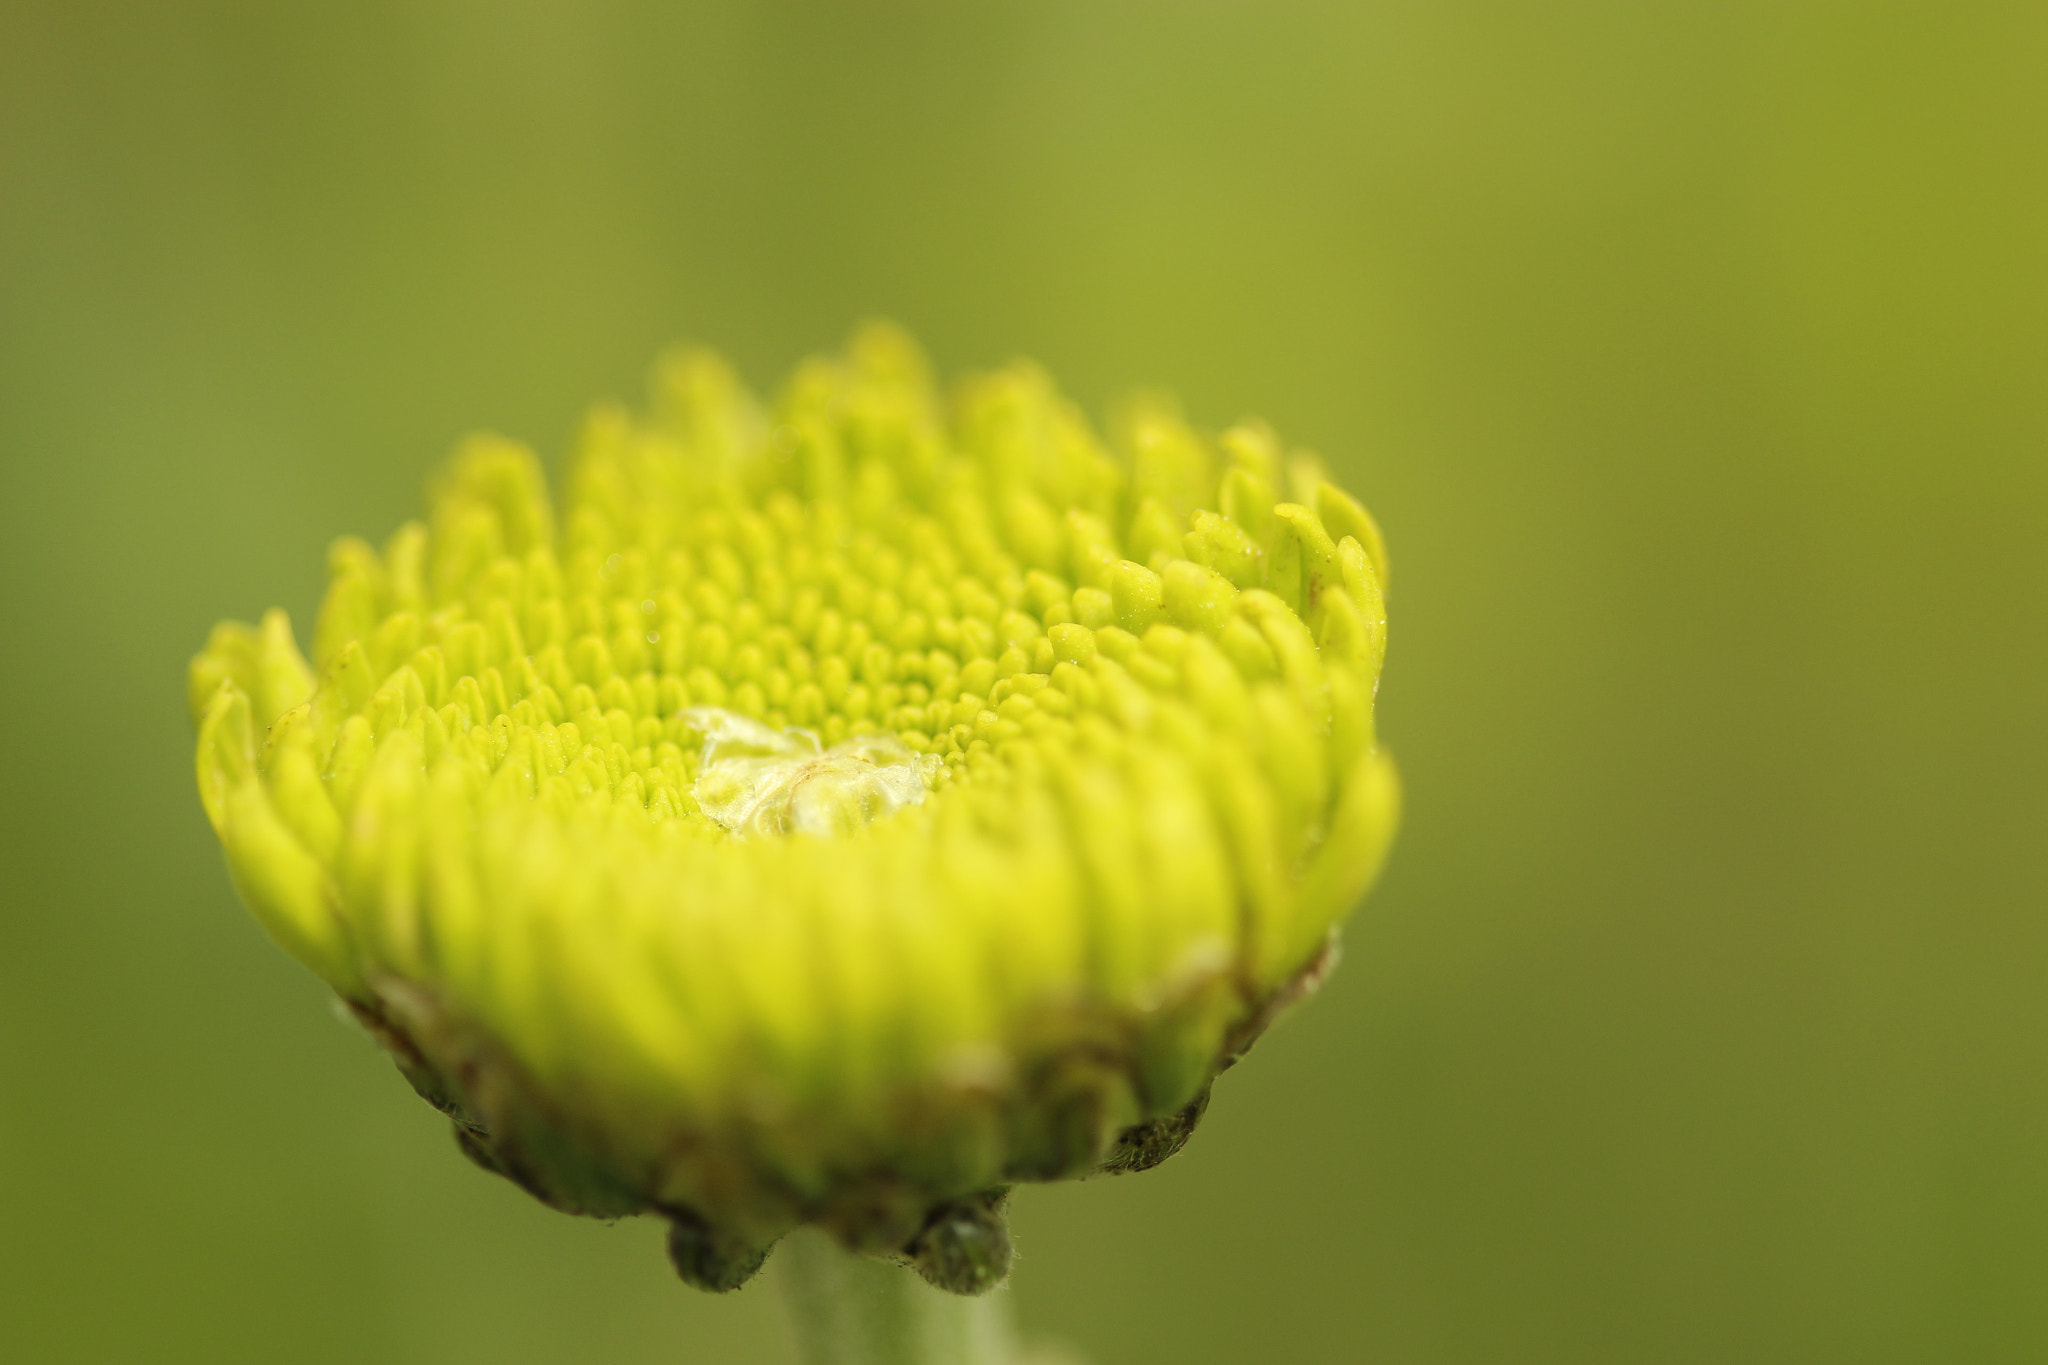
(838,812)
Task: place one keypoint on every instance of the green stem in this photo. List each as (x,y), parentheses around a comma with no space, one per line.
(856,1310)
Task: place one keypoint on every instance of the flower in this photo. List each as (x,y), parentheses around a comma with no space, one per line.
(839,813)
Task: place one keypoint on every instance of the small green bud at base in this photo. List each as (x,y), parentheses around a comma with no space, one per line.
(964,1247)
(842,809)
(1143,1146)
(705,1260)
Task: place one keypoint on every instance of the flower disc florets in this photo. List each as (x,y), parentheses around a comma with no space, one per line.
(839,813)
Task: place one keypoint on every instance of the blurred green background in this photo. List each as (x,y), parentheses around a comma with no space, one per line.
(1691,354)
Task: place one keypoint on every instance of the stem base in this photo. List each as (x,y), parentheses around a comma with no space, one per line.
(856,1310)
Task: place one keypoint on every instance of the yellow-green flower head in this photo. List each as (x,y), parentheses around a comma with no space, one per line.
(835,812)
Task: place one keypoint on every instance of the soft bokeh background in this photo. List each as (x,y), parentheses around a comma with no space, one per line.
(1691,354)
